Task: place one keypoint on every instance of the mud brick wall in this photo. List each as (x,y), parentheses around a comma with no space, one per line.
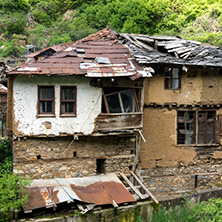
(59,157)
(181,179)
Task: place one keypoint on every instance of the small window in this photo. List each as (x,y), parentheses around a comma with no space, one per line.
(186,127)
(120,100)
(100,166)
(172,78)
(46,99)
(196,127)
(68,100)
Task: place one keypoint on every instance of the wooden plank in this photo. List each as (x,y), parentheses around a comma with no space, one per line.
(143,186)
(119,121)
(131,185)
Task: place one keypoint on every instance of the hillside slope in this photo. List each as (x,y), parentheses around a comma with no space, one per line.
(44,23)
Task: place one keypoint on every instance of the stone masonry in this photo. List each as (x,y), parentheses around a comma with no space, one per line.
(62,157)
(182,179)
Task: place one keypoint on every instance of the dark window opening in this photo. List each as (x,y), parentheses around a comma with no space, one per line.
(196,127)
(38,157)
(68,100)
(120,100)
(172,78)
(100,165)
(74,154)
(46,99)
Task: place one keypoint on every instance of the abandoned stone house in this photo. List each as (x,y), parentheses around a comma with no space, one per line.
(84,108)
(182,113)
(76,109)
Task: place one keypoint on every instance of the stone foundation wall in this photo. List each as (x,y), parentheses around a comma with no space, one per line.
(182,179)
(62,157)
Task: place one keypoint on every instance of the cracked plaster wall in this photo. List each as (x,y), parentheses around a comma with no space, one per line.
(27,123)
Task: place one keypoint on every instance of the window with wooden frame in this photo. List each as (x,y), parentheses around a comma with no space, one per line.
(46,100)
(68,100)
(172,78)
(196,127)
(120,100)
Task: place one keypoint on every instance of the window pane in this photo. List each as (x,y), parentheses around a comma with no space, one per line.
(175,73)
(71,93)
(42,93)
(128,101)
(185,127)
(42,107)
(114,103)
(175,83)
(210,138)
(49,107)
(49,93)
(70,107)
(64,108)
(64,94)
(167,83)
(181,115)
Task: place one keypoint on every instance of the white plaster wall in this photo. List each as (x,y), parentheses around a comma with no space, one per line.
(25,92)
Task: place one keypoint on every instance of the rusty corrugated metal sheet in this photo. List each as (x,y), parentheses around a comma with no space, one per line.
(99,190)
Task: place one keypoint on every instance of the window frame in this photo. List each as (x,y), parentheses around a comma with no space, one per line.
(171,78)
(120,100)
(42,100)
(69,101)
(196,128)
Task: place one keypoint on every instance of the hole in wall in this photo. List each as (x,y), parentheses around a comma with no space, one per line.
(131,151)
(38,157)
(74,154)
(210,86)
(100,165)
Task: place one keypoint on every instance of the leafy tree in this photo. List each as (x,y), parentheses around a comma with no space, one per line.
(12,192)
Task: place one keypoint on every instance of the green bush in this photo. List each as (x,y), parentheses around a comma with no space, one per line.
(206,211)
(11,48)
(12,192)
(46,12)
(14,5)
(15,24)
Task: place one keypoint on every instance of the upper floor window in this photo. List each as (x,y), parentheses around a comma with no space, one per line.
(172,78)
(118,100)
(46,99)
(196,127)
(68,100)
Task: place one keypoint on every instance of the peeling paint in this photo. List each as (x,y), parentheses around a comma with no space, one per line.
(26,121)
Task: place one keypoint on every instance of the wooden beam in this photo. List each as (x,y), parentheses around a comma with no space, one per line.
(131,185)
(143,186)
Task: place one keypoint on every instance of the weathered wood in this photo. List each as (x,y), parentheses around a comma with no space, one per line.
(118,121)
(143,186)
(132,186)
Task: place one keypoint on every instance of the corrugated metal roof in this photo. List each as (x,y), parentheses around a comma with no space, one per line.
(99,190)
(68,61)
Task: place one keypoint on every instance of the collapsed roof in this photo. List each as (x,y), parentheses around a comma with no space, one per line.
(97,190)
(171,50)
(98,55)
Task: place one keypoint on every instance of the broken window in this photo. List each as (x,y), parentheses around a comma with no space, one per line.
(46,99)
(68,100)
(172,78)
(120,100)
(196,127)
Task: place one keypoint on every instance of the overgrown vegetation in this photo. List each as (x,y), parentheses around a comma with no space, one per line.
(52,22)
(206,211)
(12,193)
